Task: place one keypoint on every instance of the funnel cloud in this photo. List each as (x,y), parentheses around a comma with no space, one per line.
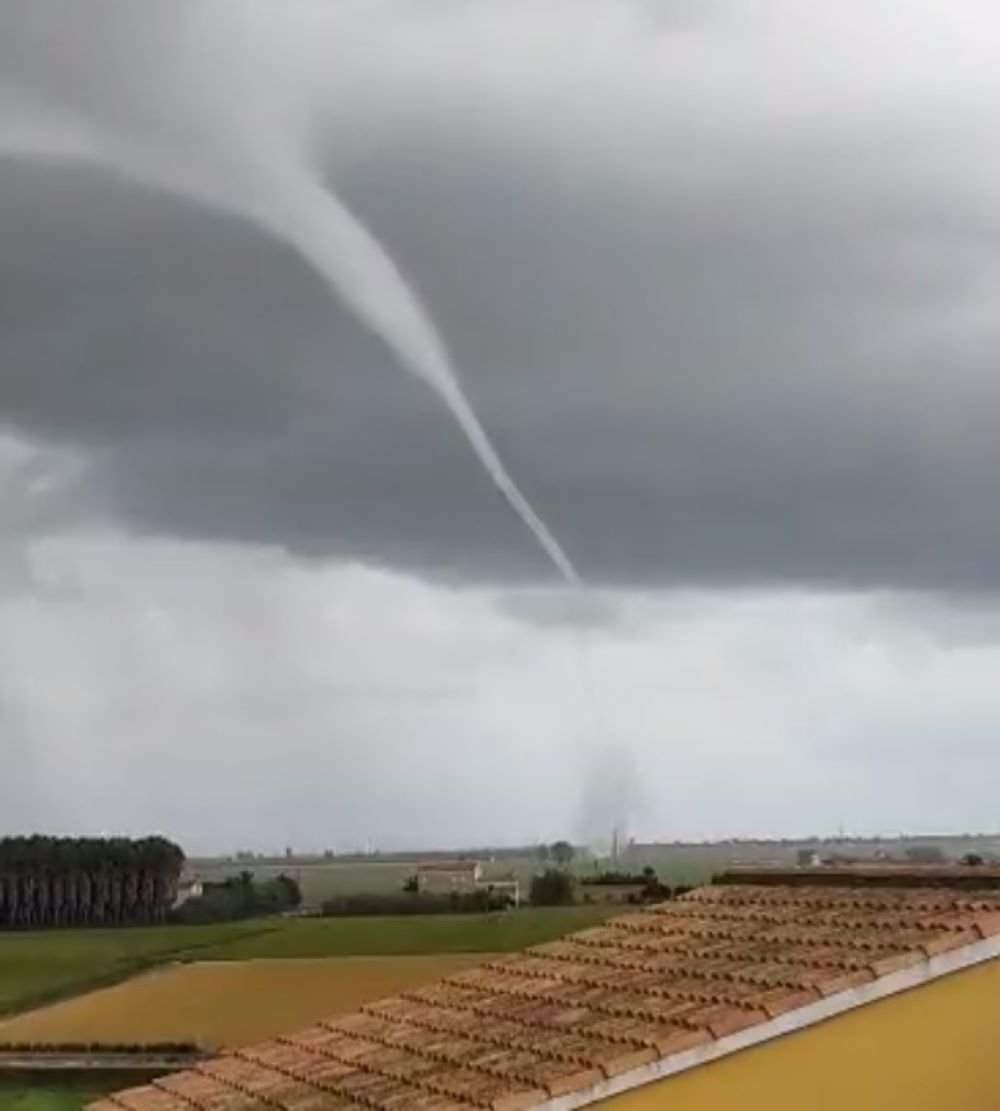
(223,155)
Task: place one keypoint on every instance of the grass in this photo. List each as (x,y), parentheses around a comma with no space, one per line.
(501,932)
(322,879)
(41,967)
(319,880)
(44,1092)
(38,967)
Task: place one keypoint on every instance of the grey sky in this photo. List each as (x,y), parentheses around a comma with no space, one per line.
(720,281)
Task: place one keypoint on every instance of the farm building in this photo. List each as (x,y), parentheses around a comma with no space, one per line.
(442,877)
(505,887)
(463,877)
(189,887)
(862,988)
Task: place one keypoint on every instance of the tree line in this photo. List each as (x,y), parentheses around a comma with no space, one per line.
(240,897)
(86,881)
(409,901)
(558,887)
(560,853)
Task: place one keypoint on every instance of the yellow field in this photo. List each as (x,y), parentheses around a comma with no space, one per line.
(224,1004)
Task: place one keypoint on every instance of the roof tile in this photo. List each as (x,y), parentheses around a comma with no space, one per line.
(617,1060)
(143,1098)
(677,1039)
(830,981)
(781,1000)
(518,1101)
(560,1078)
(205,1093)
(988,924)
(935,944)
(895,962)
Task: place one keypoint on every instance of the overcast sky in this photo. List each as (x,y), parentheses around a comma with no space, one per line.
(721,282)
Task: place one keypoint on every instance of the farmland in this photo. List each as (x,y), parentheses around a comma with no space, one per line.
(219,1004)
(687,863)
(39,967)
(220,973)
(36,967)
(322,879)
(501,932)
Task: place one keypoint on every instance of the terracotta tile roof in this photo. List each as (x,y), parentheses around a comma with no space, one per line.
(718,968)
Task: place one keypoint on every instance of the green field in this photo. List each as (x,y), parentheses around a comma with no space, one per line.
(324,879)
(38,967)
(501,932)
(42,1092)
(321,880)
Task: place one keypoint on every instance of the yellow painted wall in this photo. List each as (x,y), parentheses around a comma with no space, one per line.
(935,1048)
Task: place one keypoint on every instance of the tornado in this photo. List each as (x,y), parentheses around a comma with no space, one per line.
(312,219)
(239,166)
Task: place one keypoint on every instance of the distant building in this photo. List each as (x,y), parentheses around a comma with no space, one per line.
(507,887)
(444,877)
(464,877)
(189,887)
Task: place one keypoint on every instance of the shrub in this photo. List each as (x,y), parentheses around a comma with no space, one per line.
(652,889)
(239,897)
(562,852)
(925,854)
(164,1048)
(406,903)
(643,878)
(552,888)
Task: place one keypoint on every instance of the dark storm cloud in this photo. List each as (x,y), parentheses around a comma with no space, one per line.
(711,354)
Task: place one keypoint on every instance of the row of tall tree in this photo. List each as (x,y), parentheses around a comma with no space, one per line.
(561,853)
(86,881)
